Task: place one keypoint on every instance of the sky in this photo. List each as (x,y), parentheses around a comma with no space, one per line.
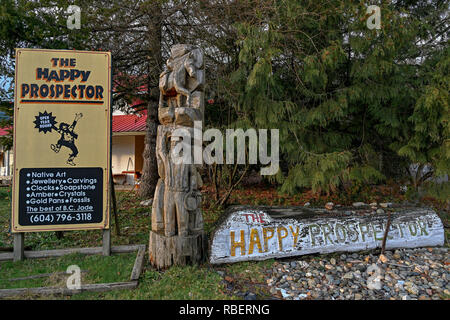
(5,83)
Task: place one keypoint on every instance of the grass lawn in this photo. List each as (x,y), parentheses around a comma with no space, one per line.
(95,269)
(190,282)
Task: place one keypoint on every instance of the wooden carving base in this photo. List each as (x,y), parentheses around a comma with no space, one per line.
(167,251)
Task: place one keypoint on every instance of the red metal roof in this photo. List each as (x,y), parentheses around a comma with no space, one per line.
(129,122)
(136,102)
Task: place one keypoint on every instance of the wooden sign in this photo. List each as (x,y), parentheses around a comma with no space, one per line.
(61,140)
(268,232)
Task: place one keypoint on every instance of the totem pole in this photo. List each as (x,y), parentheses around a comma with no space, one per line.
(177,235)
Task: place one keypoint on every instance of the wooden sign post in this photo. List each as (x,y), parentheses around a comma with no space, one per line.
(61,142)
(268,232)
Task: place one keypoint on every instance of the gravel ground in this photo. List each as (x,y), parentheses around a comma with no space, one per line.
(404,274)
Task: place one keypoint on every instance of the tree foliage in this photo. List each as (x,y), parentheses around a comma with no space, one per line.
(30,24)
(351,104)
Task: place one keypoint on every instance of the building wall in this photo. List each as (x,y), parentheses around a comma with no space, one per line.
(123,156)
(6,162)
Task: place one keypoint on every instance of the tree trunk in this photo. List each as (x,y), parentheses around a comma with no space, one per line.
(150,168)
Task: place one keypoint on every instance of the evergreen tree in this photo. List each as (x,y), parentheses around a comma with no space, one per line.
(349,101)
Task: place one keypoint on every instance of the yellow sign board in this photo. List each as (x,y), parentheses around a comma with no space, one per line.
(61,140)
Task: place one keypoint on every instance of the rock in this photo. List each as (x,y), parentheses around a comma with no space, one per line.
(358,204)
(284,293)
(380,211)
(346,280)
(374,284)
(250,296)
(146,203)
(383,258)
(329,206)
(411,288)
(307,204)
(434,274)
(361,267)
(220,273)
(374,281)
(373,204)
(311,283)
(386,204)
(388,253)
(418,270)
(303,264)
(348,276)
(357,274)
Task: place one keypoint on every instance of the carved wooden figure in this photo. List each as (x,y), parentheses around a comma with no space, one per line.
(177,235)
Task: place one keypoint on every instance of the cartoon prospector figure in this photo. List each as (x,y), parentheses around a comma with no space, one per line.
(67,139)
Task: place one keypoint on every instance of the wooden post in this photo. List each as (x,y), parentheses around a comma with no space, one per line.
(106,242)
(18,253)
(177,236)
(114,203)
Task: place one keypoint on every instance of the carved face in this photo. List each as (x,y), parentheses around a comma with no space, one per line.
(179,50)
